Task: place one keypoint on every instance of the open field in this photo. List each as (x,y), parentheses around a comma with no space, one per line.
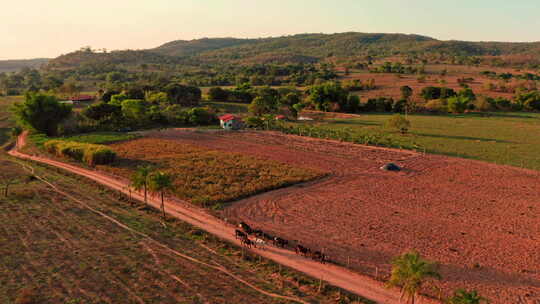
(227,107)
(205,176)
(58,249)
(388,84)
(502,138)
(458,212)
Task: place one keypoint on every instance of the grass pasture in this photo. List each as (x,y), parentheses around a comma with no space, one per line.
(502,138)
(206,176)
(100,138)
(227,107)
(56,250)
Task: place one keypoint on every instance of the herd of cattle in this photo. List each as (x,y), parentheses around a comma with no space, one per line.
(261,238)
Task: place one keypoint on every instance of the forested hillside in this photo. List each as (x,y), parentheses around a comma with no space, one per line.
(338,48)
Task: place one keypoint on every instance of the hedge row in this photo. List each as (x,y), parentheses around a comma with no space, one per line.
(88,153)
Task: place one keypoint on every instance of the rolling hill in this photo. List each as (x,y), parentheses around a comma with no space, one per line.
(300,48)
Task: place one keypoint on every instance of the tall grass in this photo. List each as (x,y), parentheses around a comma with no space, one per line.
(88,153)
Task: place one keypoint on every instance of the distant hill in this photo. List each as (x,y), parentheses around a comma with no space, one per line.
(16,65)
(300,49)
(185,48)
(126,58)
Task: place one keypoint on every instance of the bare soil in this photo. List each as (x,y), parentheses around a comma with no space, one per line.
(480,221)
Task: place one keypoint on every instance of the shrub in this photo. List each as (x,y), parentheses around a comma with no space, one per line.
(89,153)
(484,104)
(398,122)
(200,116)
(254,122)
(218,94)
(458,104)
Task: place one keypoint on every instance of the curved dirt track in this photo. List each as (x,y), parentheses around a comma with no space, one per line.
(480,221)
(335,275)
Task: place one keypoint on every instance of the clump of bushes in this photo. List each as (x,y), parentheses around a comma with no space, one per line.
(398,122)
(89,153)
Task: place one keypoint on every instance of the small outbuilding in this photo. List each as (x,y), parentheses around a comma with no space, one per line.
(81,98)
(231,122)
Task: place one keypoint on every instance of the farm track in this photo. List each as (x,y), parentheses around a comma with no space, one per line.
(481,221)
(335,275)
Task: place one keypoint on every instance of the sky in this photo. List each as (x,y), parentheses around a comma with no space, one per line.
(49,28)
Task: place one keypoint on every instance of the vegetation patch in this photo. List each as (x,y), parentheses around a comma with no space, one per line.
(206,176)
(88,153)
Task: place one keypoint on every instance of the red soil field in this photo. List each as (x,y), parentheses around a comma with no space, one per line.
(388,85)
(480,221)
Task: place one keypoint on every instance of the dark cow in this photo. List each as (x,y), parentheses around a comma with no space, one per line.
(319,256)
(299,249)
(279,242)
(239,234)
(245,227)
(267,237)
(257,232)
(247,242)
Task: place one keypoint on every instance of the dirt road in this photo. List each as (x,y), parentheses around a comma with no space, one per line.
(334,275)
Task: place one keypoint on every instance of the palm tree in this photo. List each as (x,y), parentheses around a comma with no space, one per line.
(462,296)
(160,183)
(409,272)
(139,180)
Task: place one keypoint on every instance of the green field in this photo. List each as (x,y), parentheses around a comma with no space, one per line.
(227,107)
(502,138)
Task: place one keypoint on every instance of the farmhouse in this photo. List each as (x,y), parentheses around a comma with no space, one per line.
(231,122)
(80,98)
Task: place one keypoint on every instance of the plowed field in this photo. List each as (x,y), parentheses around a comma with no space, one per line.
(480,221)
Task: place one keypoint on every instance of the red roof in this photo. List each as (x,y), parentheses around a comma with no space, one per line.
(228,117)
(280,116)
(82,98)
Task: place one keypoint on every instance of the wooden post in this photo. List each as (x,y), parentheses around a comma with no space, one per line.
(348,261)
(320,285)
(376,273)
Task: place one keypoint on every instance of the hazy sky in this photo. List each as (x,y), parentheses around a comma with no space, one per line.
(48,28)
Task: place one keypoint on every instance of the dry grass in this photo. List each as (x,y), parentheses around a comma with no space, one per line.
(206,176)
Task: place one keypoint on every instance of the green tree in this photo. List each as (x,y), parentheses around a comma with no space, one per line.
(462,296)
(184,95)
(41,112)
(139,180)
(458,104)
(157,97)
(160,183)
(263,105)
(326,95)
(103,112)
(135,111)
(406,92)
(410,272)
(218,94)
